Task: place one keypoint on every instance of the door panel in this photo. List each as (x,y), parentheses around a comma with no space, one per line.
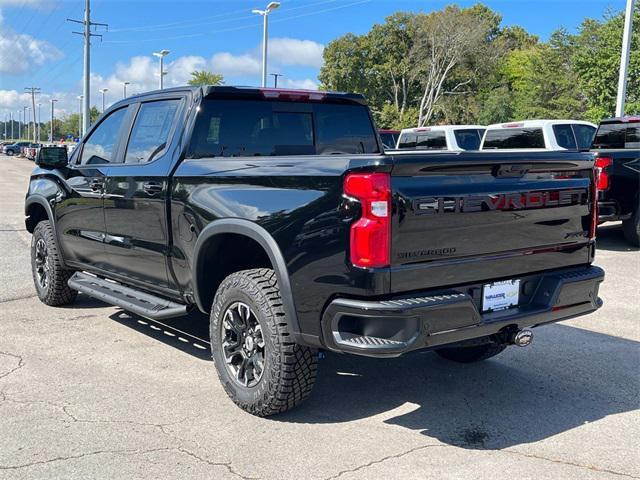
(137,240)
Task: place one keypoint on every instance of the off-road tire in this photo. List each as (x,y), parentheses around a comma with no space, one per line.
(56,291)
(471,354)
(289,369)
(631,228)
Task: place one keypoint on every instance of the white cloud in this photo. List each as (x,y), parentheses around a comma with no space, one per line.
(306,84)
(235,65)
(18,52)
(291,51)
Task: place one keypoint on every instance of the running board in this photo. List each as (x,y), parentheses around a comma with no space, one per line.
(127,298)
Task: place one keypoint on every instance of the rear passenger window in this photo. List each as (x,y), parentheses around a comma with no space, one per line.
(610,135)
(432,141)
(632,139)
(513,138)
(150,133)
(584,135)
(101,146)
(564,136)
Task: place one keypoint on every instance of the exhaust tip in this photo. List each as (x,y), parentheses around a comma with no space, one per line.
(523,338)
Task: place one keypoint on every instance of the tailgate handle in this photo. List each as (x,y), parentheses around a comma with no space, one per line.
(511,170)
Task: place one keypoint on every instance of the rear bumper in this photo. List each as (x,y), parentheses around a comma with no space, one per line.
(393,326)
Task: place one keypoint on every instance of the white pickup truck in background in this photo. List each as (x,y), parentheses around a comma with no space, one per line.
(553,135)
(441,137)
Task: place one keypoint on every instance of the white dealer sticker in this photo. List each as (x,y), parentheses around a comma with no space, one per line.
(500,295)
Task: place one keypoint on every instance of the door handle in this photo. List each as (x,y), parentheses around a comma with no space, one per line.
(151,188)
(96,185)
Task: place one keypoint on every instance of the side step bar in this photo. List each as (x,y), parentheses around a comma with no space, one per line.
(127,298)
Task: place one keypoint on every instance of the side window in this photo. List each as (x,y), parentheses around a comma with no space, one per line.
(101,146)
(584,135)
(151,129)
(564,136)
(632,139)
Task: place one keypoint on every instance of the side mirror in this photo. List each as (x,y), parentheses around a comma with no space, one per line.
(52,157)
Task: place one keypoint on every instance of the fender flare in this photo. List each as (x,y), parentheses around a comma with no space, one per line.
(42,201)
(268,243)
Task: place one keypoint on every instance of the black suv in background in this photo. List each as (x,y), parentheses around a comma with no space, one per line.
(617,148)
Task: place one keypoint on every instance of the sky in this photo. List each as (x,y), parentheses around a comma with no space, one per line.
(39,49)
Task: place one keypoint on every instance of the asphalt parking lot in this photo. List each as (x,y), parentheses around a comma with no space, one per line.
(89,391)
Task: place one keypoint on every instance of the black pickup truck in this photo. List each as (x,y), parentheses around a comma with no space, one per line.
(278,214)
(617,147)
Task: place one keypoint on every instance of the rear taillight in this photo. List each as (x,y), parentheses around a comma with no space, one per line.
(594,203)
(370,238)
(601,170)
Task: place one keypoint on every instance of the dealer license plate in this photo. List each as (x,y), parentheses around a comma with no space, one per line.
(500,295)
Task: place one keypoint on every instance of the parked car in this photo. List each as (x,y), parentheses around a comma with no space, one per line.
(15,148)
(617,147)
(389,138)
(279,215)
(31,151)
(442,137)
(556,135)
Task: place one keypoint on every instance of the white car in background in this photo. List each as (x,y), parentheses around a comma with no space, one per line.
(554,135)
(455,138)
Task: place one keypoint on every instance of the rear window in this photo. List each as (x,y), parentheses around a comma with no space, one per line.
(584,135)
(232,128)
(389,139)
(431,141)
(514,138)
(617,135)
(407,140)
(469,138)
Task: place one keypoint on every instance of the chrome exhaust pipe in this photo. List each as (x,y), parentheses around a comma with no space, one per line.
(522,338)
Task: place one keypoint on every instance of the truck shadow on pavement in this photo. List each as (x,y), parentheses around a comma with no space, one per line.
(567,378)
(610,237)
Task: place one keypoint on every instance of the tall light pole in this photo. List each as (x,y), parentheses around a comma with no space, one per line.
(103,91)
(80,123)
(19,126)
(39,122)
(24,120)
(124,89)
(275,78)
(11,117)
(624,59)
(265,16)
(161,54)
(53,101)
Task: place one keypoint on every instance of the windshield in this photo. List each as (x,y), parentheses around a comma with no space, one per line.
(273,128)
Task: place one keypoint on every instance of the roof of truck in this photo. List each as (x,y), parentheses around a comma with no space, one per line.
(537,123)
(440,128)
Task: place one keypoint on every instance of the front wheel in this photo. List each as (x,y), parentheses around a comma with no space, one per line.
(260,368)
(49,275)
(10,153)
(471,354)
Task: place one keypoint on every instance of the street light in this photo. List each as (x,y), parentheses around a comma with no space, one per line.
(124,89)
(80,97)
(39,120)
(161,54)
(19,126)
(53,101)
(24,120)
(265,15)
(275,78)
(103,91)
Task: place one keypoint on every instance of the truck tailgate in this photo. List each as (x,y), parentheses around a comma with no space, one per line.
(468,217)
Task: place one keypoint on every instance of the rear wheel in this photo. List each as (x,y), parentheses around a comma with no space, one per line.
(631,228)
(10,153)
(260,367)
(49,276)
(471,354)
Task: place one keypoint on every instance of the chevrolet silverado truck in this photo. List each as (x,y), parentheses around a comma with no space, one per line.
(278,214)
(617,147)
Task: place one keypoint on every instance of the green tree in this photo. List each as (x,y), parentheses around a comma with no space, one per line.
(596,61)
(203,77)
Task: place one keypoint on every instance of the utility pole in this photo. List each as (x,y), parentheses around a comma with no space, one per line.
(86,33)
(124,89)
(19,127)
(24,121)
(624,59)
(11,117)
(39,122)
(33,91)
(53,101)
(5,126)
(275,78)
